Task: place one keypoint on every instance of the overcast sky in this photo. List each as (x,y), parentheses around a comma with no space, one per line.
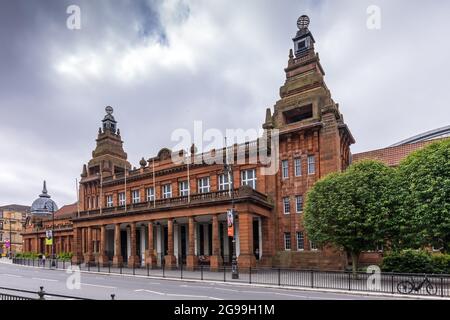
(164,64)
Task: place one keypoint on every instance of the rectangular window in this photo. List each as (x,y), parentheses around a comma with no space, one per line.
(298,167)
(285,169)
(299,204)
(135,196)
(109,201)
(167,191)
(248,178)
(287,241)
(300,241)
(121,198)
(311,164)
(184,188)
(313,246)
(203,185)
(224,183)
(150,194)
(286,205)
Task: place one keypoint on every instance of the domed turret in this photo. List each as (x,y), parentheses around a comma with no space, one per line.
(43,205)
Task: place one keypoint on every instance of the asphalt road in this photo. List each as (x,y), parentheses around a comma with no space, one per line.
(97,286)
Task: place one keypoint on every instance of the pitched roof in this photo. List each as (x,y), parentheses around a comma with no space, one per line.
(67,211)
(392,156)
(16,207)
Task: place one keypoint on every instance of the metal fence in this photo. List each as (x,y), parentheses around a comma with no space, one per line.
(435,285)
(18,294)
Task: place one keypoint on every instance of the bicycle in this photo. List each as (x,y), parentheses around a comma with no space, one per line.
(407,286)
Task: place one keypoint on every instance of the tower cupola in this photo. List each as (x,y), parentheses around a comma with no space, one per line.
(303,40)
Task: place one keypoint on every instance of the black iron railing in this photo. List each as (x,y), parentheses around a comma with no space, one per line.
(41,294)
(435,285)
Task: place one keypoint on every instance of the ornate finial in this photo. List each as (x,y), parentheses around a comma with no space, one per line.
(84,173)
(193,149)
(99,130)
(44,193)
(109,110)
(143,162)
(118,132)
(291,58)
(303,22)
(268,124)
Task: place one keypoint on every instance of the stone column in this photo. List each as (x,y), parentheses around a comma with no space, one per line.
(89,256)
(102,257)
(246,257)
(170,259)
(133,259)
(150,253)
(267,242)
(77,246)
(117,259)
(191,259)
(216,259)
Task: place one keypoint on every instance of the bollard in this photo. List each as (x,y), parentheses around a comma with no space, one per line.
(148,269)
(98,266)
(201,270)
(224,274)
(181,266)
(41,293)
(250,275)
(113,297)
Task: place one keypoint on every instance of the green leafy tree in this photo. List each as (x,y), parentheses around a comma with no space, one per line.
(424,184)
(351,210)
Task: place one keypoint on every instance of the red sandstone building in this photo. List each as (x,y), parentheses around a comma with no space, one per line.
(164,212)
(164,217)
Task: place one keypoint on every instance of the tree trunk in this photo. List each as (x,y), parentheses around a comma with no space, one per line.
(355,258)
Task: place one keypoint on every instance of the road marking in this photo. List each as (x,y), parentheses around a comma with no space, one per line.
(11,275)
(225,289)
(43,279)
(150,291)
(257,292)
(198,287)
(176,294)
(190,296)
(289,295)
(98,285)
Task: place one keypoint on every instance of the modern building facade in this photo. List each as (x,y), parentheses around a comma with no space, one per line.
(173,213)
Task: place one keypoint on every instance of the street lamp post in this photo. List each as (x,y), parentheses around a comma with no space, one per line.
(228,168)
(53,233)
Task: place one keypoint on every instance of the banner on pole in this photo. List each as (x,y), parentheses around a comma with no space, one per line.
(230,222)
(49,237)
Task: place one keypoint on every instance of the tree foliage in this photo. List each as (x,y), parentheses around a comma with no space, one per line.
(424,193)
(351,209)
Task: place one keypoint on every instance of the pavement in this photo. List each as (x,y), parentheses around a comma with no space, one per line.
(102,286)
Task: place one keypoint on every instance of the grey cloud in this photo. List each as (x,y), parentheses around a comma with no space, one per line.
(224,66)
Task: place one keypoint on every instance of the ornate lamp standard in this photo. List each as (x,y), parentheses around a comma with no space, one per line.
(228,168)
